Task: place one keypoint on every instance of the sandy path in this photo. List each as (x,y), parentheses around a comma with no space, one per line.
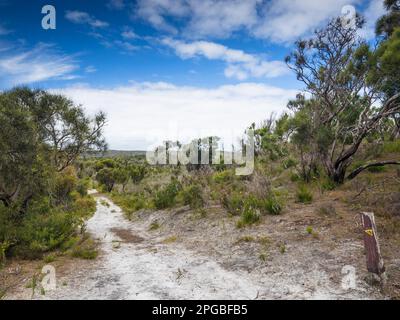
(147,270)
(150,269)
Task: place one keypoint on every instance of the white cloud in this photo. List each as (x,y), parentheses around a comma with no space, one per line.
(221,18)
(129,34)
(287,20)
(90,69)
(372,13)
(81,17)
(116,4)
(38,64)
(126,46)
(280,21)
(240,65)
(154,12)
(146,113)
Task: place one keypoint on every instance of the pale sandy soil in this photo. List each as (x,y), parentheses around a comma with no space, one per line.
(195,257)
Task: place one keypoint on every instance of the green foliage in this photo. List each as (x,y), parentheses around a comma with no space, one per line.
(42,201)
(289,163)
(85,250)
(233,202)
(271,205)
(223,177)
(377,169)
(392,146)
(250,215)
(327,184)
(154,226)
(107,177)
(137,173)
(193,196)
(166,197)
(304,195)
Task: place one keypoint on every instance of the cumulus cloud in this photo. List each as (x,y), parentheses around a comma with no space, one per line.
(240,65)
(155,11)
(80,17)
(41,63)
(372,13)
(280,21)
(144,114)
(287,20)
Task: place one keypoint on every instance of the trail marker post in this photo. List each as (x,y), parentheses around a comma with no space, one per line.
(372,250)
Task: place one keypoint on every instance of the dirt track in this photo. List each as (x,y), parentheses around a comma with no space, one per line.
(136,263)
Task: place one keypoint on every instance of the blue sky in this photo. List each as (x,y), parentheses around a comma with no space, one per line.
(165,68)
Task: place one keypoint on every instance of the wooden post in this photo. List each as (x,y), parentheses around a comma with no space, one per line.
(374,259)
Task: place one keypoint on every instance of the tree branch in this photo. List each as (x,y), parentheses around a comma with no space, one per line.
(356,172)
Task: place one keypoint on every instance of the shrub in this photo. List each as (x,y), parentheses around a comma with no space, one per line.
(132,202)
(289,163)
(392,146)
(328,185)
(233,202)
(86,250)
(271,205)
(304,195)
(294,177)
(64,183)
(193,196)
(166,197)
(223,177)
(41,233)
(82,187)
(250,215)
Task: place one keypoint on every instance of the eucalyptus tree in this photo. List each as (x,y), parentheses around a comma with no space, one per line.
(348,89)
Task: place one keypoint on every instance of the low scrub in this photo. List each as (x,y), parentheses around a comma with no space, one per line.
(304,195)
(193,196)
(43,229)
(250,215)
(166,197)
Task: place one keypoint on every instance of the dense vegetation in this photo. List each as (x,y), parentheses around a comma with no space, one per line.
(345,122)
(344,125)
(43,200)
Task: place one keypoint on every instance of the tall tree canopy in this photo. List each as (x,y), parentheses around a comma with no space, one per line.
(352,91)
(40,134)
(390,21)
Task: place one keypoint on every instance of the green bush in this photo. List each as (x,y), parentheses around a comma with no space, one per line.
(223,177)
(250,215)
(39,234)
(304,195)
(193,196)
(289,163)
(271,205)
(328,185)
(44,227)
(166,197)
(233,202)
(86,250)
(392,146)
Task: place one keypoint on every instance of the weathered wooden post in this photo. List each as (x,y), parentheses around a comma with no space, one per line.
(372,250)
